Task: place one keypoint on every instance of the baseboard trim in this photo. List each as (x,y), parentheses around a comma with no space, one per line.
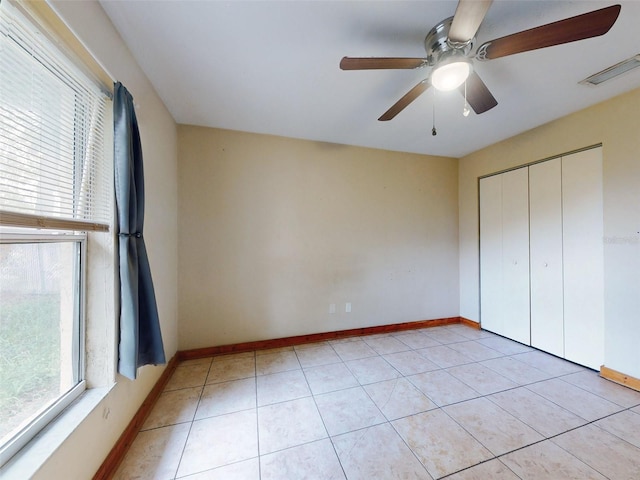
(621,378)
(470,323)
(117,453)
(318,337)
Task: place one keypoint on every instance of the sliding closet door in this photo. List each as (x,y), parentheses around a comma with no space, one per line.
(545,212)
(583,257)
(504,254)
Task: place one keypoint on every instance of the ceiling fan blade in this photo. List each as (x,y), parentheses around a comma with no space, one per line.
(467,20)
(478,95)
(373,63)
(401,104)
(580,27)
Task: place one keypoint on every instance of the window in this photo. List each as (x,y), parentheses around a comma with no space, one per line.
(55,187)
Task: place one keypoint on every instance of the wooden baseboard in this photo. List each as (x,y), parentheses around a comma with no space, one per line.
(470,323)
(621,378)
(117,453)
(318,337)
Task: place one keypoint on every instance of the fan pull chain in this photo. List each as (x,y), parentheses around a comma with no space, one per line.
(434,132)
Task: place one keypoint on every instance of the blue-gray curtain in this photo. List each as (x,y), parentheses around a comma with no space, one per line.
(140,335)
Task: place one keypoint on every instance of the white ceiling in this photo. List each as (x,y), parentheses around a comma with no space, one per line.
(272,67)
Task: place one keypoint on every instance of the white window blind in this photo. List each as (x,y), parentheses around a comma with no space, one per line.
(53,171)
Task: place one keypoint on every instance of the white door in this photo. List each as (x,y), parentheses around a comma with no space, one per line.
(504,254)
(583,249)
(545,217)
(515,254)
(491,253)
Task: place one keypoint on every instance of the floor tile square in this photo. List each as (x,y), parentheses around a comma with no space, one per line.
(504,345)
(280,387)
(491,470)
(492,426)
(398,398)
(245,470)
(220,440)
(602,451)
(347,410)
(416,340)
(353,350)
(410,362)
(276,362)
(287,424)
(328,378)
(475,350)
(542,415)
(547,461)
(444,335)
(172,407)
(441,444)
(516,371)
(227,397)
(481,379)
(371,370)
(377,453)
(320,355)
(227,368)
(548,363)
(594,383)
(444,357)
(582,403)
(469,332)
(154,454)
(624,425)
(442,387)
(188,376)
(311,461)
(386,344)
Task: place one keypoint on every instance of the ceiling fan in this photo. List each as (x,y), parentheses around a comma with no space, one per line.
(449,48)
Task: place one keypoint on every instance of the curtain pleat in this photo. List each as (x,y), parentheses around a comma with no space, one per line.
(140,334)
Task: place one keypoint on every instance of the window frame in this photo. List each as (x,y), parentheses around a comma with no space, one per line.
(29,236)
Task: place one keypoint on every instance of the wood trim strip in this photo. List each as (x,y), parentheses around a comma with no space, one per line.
(621,378)
(317,337)
(470,323)
(117,453)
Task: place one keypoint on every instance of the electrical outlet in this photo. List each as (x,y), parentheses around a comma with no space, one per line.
(347,307)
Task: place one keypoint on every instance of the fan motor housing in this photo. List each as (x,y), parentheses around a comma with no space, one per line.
(437,44)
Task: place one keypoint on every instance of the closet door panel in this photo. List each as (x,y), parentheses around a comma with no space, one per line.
(515,255)
(491,253)
(583,231)
(545,212)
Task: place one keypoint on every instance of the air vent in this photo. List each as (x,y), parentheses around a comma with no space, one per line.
(613,71)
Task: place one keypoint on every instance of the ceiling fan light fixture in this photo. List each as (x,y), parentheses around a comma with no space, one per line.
(450,75)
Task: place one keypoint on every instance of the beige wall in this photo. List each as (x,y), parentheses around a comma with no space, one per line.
(84,450)
(274,230)
(615,124)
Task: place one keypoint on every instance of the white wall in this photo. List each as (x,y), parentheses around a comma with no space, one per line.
(83,452)
(274,230)
(615,124)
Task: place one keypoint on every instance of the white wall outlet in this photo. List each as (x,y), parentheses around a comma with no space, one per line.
(347,307)
(332,308)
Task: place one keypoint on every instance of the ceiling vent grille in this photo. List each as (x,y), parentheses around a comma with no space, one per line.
(613,71)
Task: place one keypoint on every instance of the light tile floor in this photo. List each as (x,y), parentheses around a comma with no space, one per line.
(431,403)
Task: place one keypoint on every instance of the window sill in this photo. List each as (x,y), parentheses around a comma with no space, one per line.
(27,462)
